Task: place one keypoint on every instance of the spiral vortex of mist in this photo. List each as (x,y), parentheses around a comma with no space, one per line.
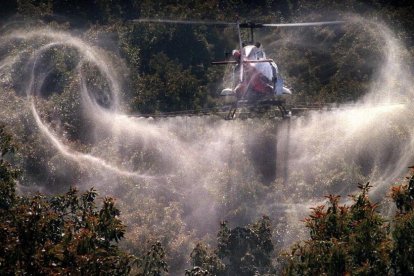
(209,164)
(56,39)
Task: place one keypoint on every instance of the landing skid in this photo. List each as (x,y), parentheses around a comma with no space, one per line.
(240,109)
(257,107)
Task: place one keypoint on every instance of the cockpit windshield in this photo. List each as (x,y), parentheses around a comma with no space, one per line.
(253,53)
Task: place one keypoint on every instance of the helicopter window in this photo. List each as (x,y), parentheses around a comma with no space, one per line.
(259,54)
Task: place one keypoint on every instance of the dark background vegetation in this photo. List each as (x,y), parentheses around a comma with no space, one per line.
(169,70)
(170,64)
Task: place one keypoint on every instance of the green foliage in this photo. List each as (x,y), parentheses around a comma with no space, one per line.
(205,262)
(156,219)
(403,196)
(355,239)
(168,88)
(34,8)
(403,254)
(343,240)
(240,251)
(402,234)
(153,263)
(7,173)
(62,234)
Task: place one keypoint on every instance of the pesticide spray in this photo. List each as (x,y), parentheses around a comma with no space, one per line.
(195,171)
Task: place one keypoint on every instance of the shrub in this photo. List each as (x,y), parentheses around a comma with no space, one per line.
(240,251)
(343,239)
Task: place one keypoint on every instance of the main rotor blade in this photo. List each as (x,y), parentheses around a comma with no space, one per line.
(193,22)
(303,24)
(242,25)
(245,61)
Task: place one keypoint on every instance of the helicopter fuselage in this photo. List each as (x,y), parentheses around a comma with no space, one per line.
(260,76)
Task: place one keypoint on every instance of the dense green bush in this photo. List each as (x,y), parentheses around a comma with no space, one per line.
(402,234)
(343,239)
(240,251)
(356,239)
(64,234)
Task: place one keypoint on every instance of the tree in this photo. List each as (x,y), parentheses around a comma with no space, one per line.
(240,251)
(63,234)
(402,234)
(153,262)
(343,240)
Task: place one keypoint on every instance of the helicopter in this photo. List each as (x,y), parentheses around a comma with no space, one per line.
(256,80)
